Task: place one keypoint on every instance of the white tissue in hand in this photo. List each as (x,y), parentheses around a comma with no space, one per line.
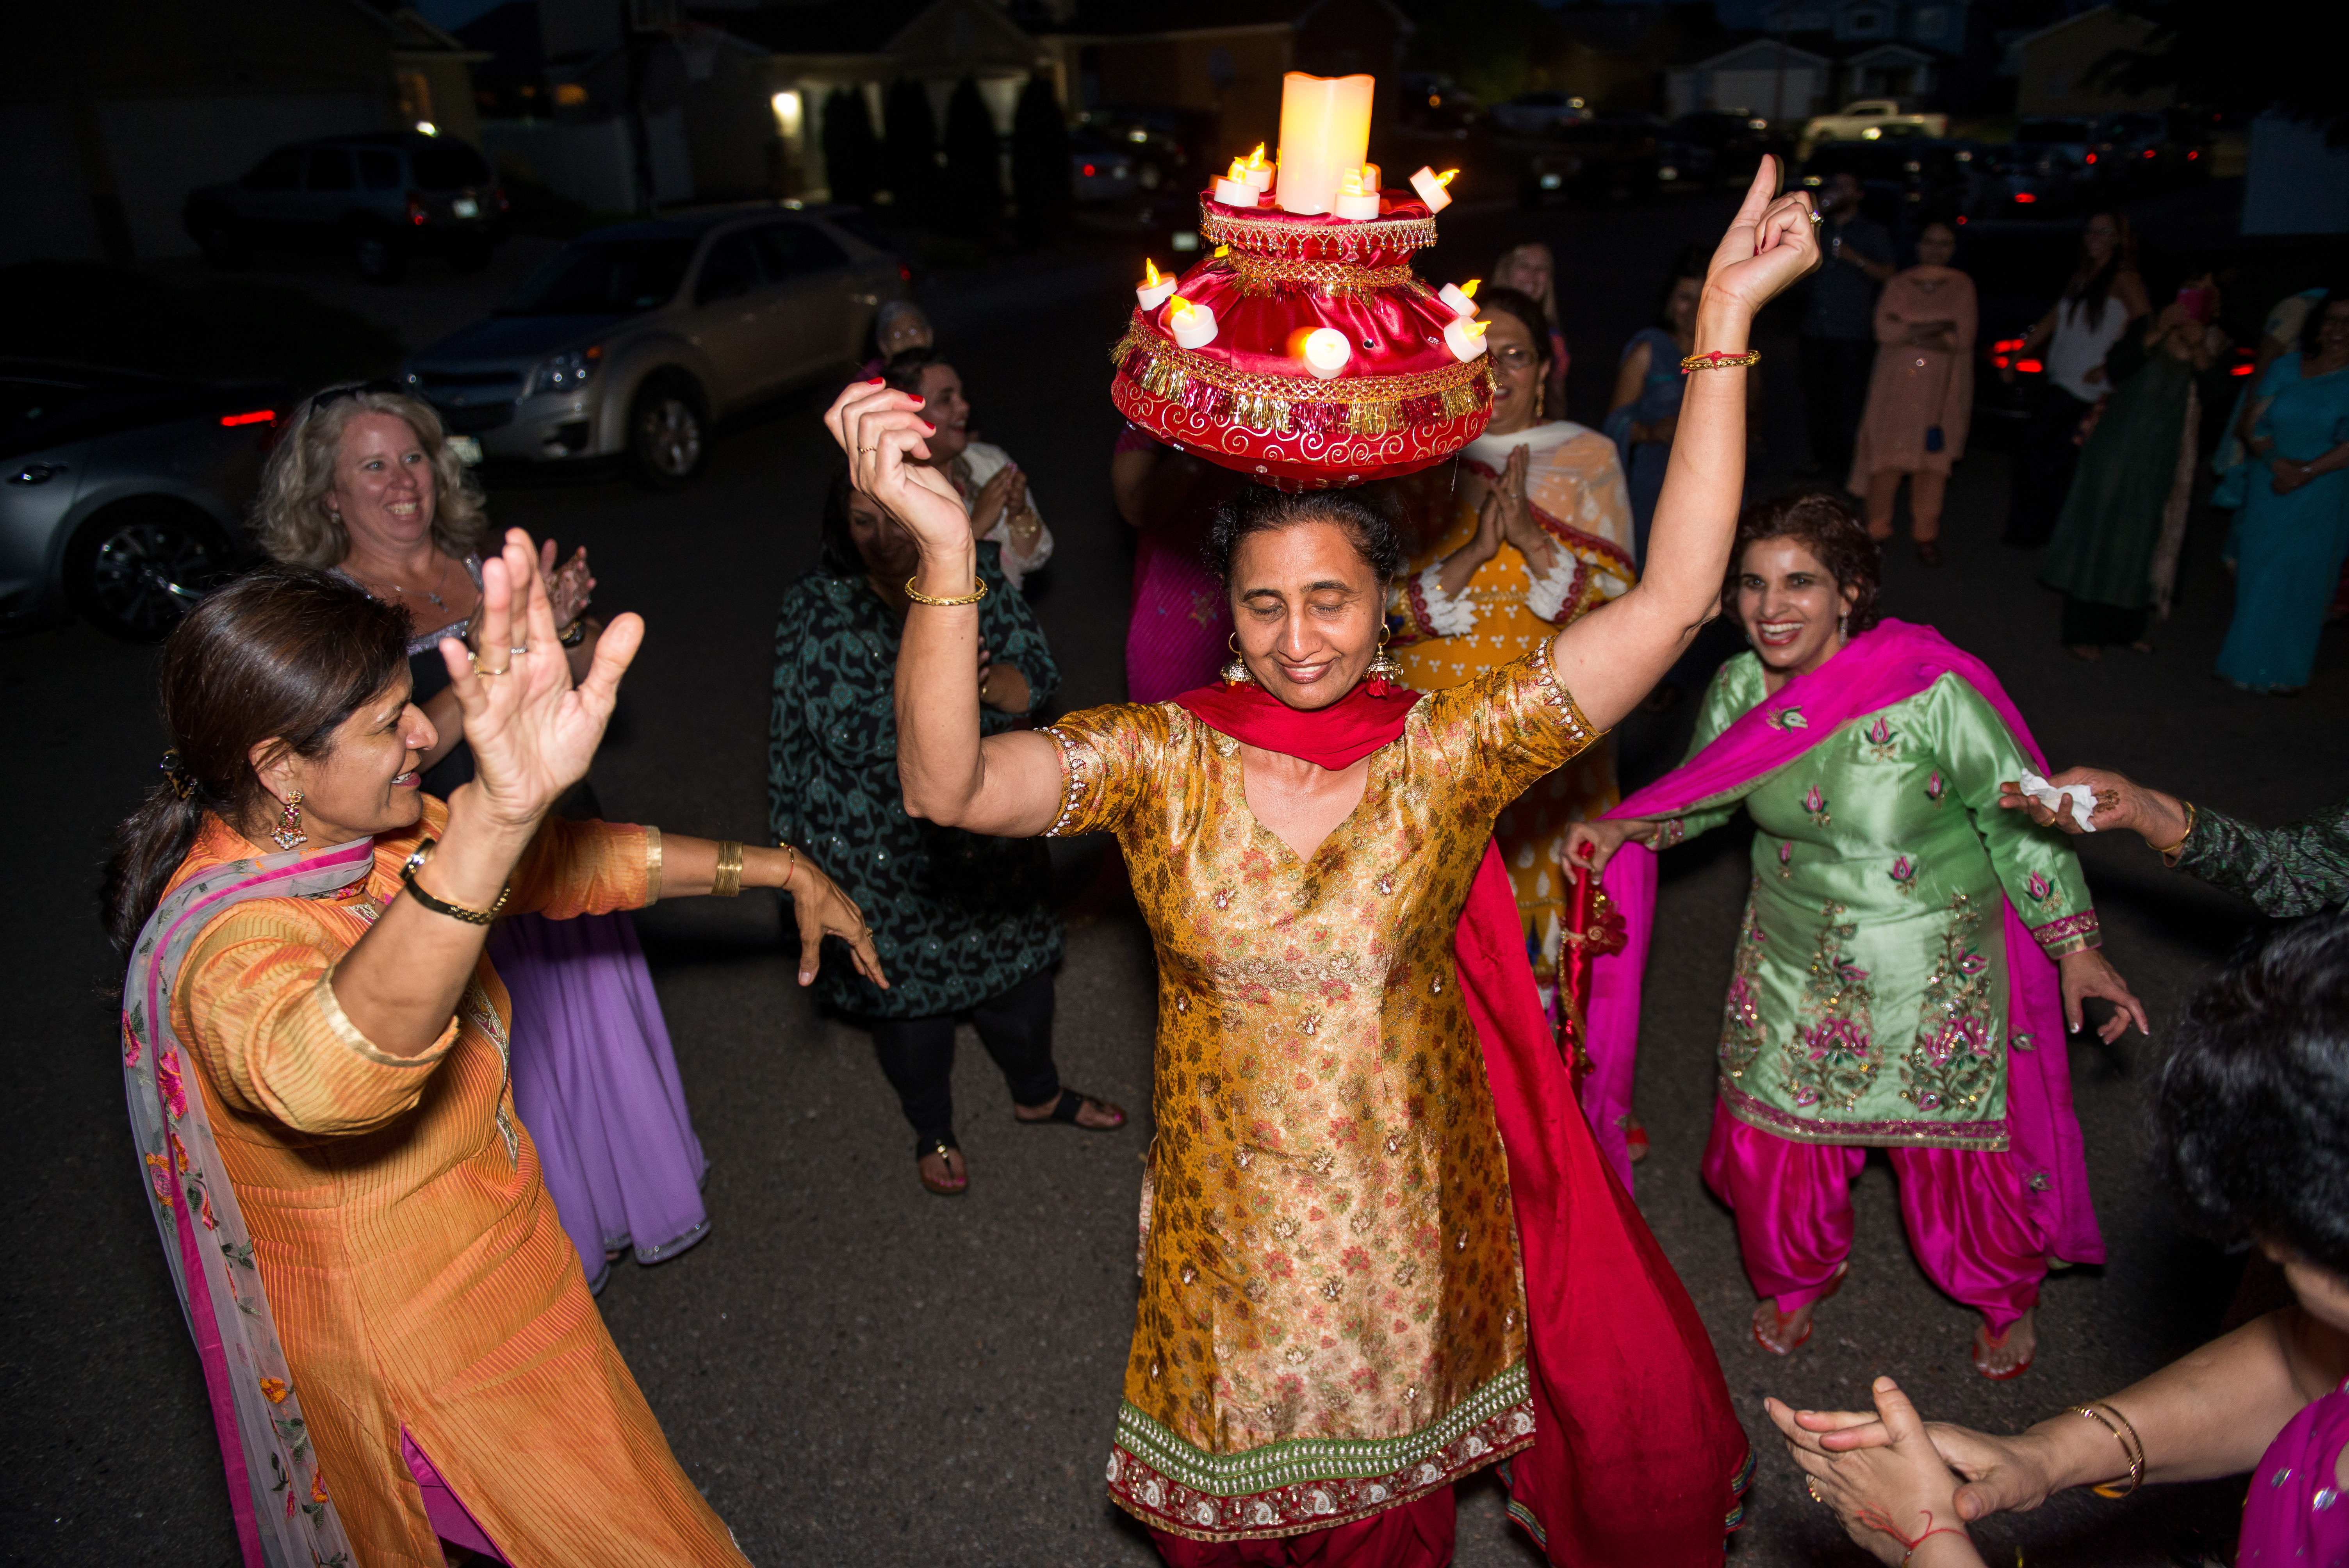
(2083,799)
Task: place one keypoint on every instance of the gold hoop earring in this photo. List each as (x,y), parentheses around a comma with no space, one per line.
(1382,674)
(288,833)
(1237,672)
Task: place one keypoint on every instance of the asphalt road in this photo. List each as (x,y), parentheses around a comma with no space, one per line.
(857,1373)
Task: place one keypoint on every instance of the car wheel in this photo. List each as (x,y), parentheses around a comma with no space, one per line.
(666,433)
(377,254)
(221,239)
(138,567)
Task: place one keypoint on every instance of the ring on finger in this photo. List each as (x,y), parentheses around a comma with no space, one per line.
(519,652)
(1812,1487)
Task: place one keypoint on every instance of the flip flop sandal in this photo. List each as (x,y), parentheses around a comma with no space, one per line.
(1780,1319)
(1635,1139)
(1984,1345)
(1065,1109)
(945,1148)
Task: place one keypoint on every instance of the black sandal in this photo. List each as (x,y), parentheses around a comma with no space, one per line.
(1066,1109)
(946,1148)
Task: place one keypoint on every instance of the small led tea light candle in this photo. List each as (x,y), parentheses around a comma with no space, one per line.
(1256,171)
(1464,338)
(1431,188)
(1234,189)
(1461,298)
(1326,352)
(1194,325)
(1154,287)
(1357,198)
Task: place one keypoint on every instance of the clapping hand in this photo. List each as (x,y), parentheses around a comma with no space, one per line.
(569,588)
(1512,514)
(994,501)
(532,733)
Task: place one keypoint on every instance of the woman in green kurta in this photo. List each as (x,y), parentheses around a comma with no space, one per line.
(966,919)
(1869,1001)
(2114,553)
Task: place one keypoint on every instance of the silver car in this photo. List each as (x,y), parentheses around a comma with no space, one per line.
(123,496)
(632,340)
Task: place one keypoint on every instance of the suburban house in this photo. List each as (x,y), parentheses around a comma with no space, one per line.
(2054,66)
(1799,57)
(105,140)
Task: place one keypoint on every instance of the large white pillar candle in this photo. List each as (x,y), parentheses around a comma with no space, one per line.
(1325,130)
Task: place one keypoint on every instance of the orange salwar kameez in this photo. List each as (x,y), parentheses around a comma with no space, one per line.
(419,1278)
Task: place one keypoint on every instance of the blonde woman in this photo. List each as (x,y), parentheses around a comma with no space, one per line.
(365,484)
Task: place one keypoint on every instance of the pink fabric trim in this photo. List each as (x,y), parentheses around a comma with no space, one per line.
(1888,664)
(214,1357)
(451,1520)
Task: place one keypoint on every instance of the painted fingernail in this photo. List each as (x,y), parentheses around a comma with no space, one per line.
(933,429)
(877,381)
(917,401)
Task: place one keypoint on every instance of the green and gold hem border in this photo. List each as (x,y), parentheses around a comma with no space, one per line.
(1310,1483)
(1920,1132)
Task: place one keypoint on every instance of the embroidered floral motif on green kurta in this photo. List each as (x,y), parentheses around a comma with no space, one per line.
(1867,999)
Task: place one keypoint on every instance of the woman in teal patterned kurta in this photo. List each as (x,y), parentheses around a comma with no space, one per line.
(1869,999)
(965,919)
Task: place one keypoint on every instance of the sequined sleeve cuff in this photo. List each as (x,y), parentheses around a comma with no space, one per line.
(2072,933)
(1073,780)
(1443,614)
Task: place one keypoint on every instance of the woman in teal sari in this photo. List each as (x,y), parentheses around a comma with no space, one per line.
(2295,524)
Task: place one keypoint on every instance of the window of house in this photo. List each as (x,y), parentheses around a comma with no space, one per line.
(330,169)
(1863,21)
(1931,22)
(414,95)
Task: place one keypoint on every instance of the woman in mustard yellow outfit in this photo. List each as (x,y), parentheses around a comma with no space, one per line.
(1529,528)
(1379,1251)
(395,1335)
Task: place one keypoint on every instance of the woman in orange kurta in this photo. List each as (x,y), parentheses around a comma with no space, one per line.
(396,1334)
(1922,393)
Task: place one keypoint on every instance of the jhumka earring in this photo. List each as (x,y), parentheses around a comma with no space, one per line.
(1541,394)
(1843,626)
(288,833)
(1383,672)
(1237,672)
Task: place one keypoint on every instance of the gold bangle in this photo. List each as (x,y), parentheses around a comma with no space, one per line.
(2170,854)
(417,861)
(2136,1459)
(978,592)
(1719,360)
(727,881)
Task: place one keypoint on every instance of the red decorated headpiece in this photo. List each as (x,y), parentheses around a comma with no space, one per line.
(1305,353)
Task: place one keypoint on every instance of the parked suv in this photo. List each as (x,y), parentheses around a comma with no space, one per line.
(378,199)
(631,340)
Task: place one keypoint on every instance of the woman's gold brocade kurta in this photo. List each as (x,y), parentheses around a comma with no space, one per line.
(417,1271)
(1330,1252)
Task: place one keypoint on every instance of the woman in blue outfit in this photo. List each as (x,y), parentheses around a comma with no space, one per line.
(2294,525)
(1645,409)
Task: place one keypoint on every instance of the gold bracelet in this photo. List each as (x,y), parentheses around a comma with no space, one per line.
(791,870)
(2136,1459)
(727,881)
(1719,360)
(2169,855)
(417,861)
(978,592)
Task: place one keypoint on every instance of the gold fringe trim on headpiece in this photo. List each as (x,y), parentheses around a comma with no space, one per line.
(1358,405)
(1272,233)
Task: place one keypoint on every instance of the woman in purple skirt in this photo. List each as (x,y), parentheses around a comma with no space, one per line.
(363,482)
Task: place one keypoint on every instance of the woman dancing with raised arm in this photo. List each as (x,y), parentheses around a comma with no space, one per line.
(1365,1132)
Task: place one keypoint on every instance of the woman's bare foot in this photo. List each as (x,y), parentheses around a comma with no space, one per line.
(943,1171)
(2088,651)
(1095,1115)
(1779,1333)
(2009,1356)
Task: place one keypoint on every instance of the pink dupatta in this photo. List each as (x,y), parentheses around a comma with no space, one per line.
(1890,663)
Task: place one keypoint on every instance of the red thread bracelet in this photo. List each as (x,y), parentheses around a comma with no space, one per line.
(1877,1519)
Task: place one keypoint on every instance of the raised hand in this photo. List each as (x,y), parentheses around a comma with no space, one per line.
(569,587)
(531,731)
(1771,244)
(884,436)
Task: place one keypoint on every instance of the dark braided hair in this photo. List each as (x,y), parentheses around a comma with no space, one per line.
(283,652)
(1259,508)
(1824,524)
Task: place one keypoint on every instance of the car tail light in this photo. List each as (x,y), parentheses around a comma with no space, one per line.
(1088,171)
(2148,152)
(2025,198)
(905,274)
(415,213)
(2242,370)
(2029,366)
(251,417)
(2092,158)
(2192,155)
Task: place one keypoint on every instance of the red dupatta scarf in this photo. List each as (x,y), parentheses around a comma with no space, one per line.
(1637,1456)
(1889,663)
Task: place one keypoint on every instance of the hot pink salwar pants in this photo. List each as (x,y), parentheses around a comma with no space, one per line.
(1964,1208)
(1414,1534)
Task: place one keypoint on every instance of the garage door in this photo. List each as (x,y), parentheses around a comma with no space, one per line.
(164,148)
(1756,92)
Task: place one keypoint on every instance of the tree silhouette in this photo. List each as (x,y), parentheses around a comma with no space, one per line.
(909,151)
(1039,163)
(852,155)
(974,192)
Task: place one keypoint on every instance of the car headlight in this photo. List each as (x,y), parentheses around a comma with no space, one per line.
(1668,173)
(568,372)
